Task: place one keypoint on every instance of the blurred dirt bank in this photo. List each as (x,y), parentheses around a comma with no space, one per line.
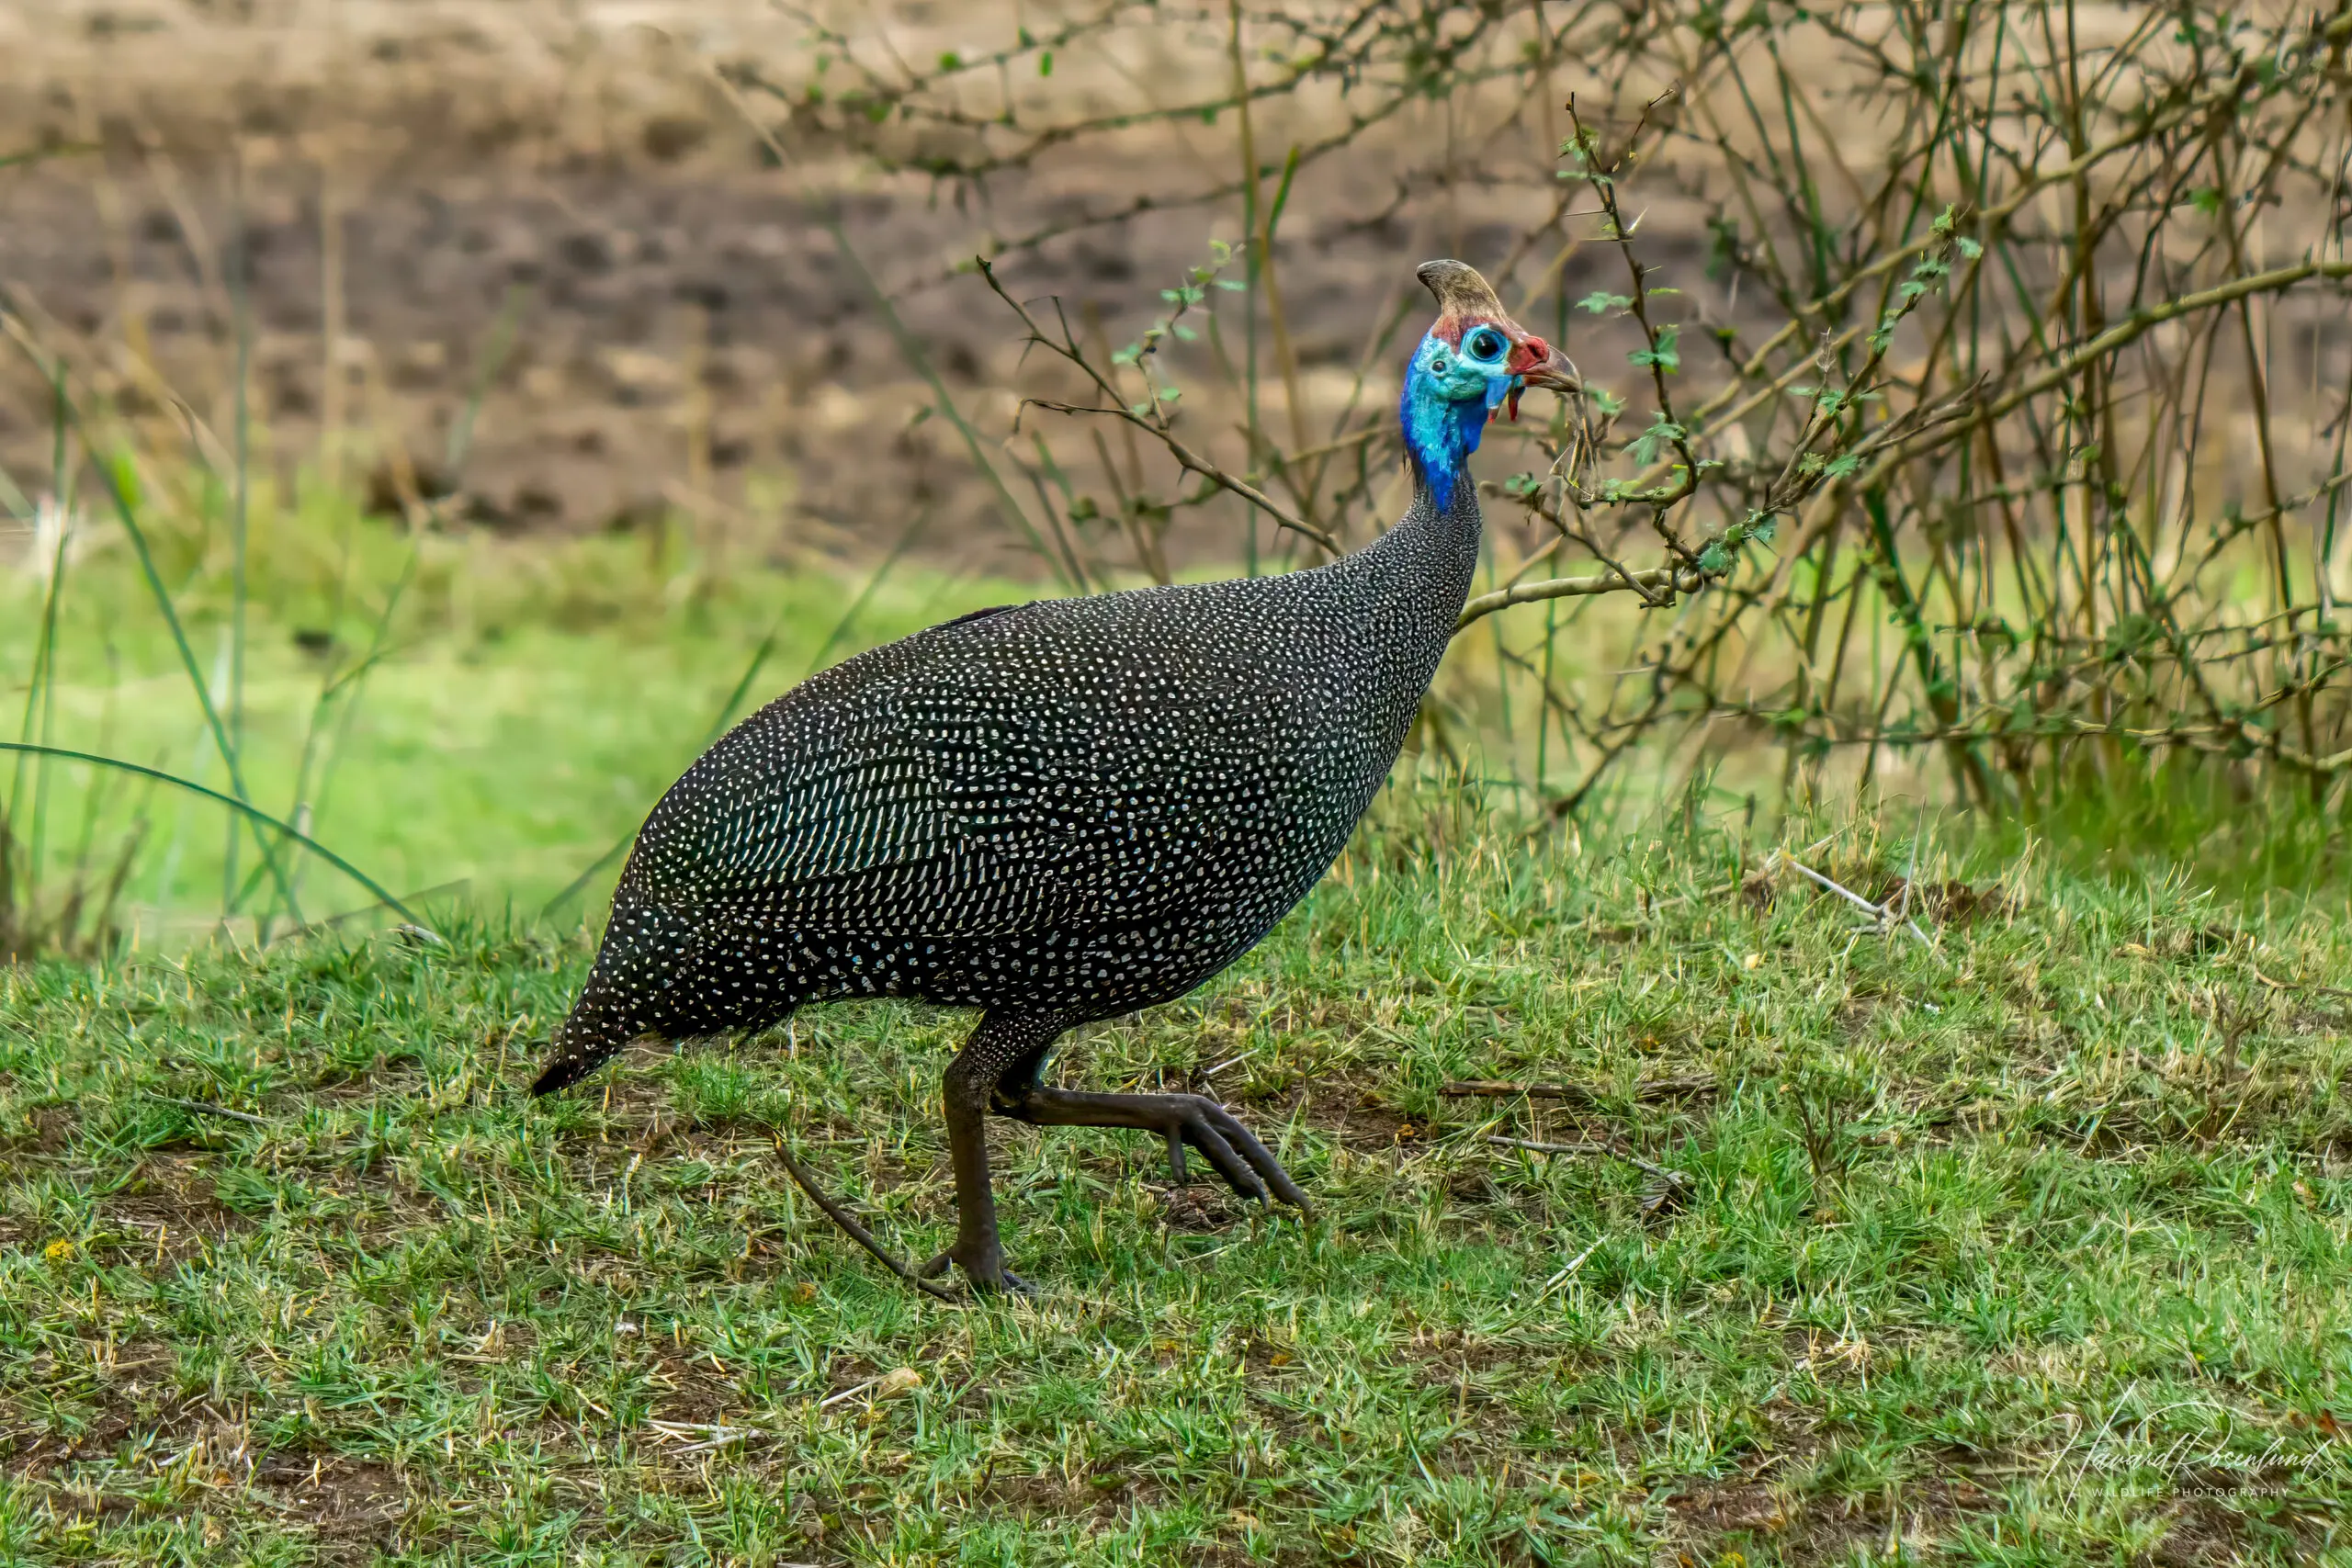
(687,332)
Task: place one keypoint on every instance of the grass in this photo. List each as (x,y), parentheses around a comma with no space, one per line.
(527,708)
(2031,1248)
(521,707)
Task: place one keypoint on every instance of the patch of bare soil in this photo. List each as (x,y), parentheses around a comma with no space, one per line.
(169,1211)
(352,1506)
(558,247)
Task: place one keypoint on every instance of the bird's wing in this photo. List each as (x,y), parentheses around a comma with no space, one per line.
(973,785)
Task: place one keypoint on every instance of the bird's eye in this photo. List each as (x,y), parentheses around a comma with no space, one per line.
(1486,344)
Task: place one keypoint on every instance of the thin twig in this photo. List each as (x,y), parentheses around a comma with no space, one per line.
(1568,1270)
(1671,1177)
(1677,579)
(1880,915)
(1543,1149)
(2336,991)
(850,1392)
(1864,905)
(1155,425)
(1192,462)
(711,1436)
(1652,1089)
(205,1108)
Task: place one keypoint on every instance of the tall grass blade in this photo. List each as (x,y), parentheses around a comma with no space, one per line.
(259,818)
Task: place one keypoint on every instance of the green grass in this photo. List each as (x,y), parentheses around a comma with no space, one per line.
(527,708)
(483,719)
(2033,1250)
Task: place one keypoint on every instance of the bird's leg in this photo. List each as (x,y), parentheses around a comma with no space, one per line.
(848,1223)
(977,1249)
(1247,1165)
(969,1082)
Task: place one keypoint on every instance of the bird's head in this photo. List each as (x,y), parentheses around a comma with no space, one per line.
(1471,367)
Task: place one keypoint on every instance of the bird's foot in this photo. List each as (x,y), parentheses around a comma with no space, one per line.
(985,1269)
(1247,1166)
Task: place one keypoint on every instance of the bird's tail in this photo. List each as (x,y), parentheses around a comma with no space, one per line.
(586,1042)
(627,995)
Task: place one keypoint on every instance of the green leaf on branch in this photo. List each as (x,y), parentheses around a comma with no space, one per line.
(1662,353)
(1645,447)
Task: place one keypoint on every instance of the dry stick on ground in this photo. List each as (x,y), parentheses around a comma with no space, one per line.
(2312,985)
(1880,913)
(1674,1179)
(1577,1094)
(710,1436)
(1543,1149)
(205,1108)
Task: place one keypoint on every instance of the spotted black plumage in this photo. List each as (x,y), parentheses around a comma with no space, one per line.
(1062,811)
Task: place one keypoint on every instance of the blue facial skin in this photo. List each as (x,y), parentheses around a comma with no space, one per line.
(1449,394)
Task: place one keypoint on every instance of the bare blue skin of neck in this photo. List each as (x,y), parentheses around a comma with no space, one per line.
(1447,400)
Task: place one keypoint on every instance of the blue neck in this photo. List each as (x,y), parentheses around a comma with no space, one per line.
(1442,425)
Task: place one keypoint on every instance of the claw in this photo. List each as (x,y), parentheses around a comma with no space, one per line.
(1247,1165)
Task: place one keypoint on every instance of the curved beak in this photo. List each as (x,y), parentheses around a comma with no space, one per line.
(1537,364)
(1551,371)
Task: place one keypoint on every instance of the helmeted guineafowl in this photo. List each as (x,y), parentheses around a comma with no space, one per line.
(1063,811)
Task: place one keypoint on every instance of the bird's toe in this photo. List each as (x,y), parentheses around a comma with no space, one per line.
(985,1272)
(1197,1122)
(1267,1176)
